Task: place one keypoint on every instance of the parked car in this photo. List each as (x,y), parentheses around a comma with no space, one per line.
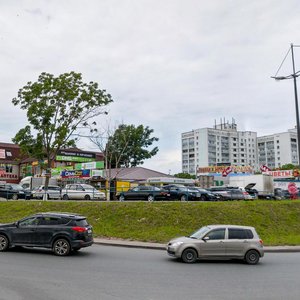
(182,193)
(61,232)
(144,192)
(53,192)
(280,194)
(14,191)
(81,192)
(219,241)
(231,193)
(251,191)
(206,195)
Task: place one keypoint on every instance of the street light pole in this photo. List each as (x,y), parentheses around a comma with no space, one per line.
(296,102)
(294,76)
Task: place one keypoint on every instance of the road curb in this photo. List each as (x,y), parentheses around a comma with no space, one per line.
(157,246)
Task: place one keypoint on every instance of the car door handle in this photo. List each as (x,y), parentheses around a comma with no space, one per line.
(245,241)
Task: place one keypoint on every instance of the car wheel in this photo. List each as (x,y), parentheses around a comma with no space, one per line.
(203,198)
(48,197)
(121,198)
(150,198)
(183,198)
(61,247)
(3,242)
(65,197)
(87,197)
(252,257)
(14,197)
(189,255)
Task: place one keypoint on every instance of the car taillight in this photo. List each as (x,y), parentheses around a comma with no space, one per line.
(261,242)
(245,193)
(79,229)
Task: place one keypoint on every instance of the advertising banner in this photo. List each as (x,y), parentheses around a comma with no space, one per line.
(90,165)
(75,174)
(228,169)
(75,156)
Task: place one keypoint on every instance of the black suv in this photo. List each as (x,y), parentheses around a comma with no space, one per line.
(61,232)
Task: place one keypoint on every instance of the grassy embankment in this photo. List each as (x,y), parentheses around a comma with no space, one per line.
(277,222)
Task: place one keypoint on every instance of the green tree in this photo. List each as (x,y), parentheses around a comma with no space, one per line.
(56,107)
(128,146)
(185,176)
(289,167)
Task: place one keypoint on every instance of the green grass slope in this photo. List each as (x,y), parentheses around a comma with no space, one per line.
(277,222)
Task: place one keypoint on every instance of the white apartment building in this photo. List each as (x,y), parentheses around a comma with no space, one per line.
(278,149)
(221,145)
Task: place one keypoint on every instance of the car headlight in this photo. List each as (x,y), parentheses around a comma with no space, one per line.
(176,244)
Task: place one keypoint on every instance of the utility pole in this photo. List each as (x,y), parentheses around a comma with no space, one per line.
(294,75)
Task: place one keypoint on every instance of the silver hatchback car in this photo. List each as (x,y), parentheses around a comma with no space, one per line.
(220,242)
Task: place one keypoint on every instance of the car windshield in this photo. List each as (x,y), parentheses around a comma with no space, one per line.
(199,233)
(87,187)
(17,187)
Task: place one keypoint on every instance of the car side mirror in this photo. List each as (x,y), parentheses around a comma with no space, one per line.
(17,224)
(206,238)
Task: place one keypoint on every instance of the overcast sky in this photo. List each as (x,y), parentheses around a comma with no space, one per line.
(172,65)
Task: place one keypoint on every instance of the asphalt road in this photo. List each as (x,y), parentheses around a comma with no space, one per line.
(106,272)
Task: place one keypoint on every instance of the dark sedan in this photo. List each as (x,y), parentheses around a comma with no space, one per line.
(144,192)
(182,193)
(207,195)
(22,193)
(14,191)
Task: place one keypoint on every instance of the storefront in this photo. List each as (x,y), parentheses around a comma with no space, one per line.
(9,165)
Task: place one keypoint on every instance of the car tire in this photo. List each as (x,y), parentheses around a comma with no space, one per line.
(3,242)
(203,198)
(61,247)
(183,198)
(150,198)
(252,257)
(14,197)
(87,197)
(65,197)
(121,198)
(189,255)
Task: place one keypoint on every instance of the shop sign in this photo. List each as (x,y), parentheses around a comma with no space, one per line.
(97,173)
(57,171)
(281,174)
(220,169)
(75,156)
(75,174)
(8,176)
(90,165)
